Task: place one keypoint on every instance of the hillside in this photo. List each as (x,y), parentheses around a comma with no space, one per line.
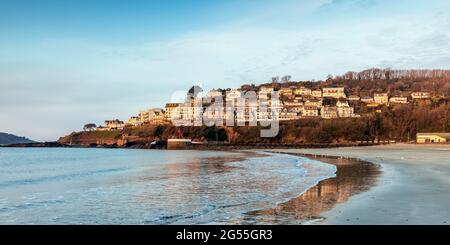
(384,122)
(6,139)
(395,82)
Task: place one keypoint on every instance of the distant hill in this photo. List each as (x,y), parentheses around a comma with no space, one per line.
(6,139)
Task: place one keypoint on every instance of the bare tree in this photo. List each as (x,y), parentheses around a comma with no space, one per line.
(286,78)
(275,79)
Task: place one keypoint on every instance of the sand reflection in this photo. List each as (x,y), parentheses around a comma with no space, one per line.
(352,177)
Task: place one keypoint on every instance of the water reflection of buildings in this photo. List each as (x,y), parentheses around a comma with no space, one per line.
(165,185)
(187,188)
(351,178)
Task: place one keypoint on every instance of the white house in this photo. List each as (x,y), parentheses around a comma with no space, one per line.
(381,98)
(398,100)
(420,95)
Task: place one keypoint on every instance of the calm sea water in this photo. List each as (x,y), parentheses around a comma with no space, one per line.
(124,186)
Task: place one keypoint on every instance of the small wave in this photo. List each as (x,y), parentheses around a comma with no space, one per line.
(58,177)
(29,205)
(198,194)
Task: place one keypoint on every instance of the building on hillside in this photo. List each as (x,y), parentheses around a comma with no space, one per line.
(215,115)
(248,113)
(342,103)
(328,112)
(381,98)
(373,104)
(287,115)
(156,116)
(266,89)
(423,138)
(172,111)
(292,103)
(296,109)
(271,112)
(192,110)
(345,111)
(420,95)
(333,92)
(398,100)
(263,115)
(263,96)
(144,116)
(285,91)
(152,116)
(214,93)
(367,99)
(353,98)
(316,93)
(229,116)
(313,102)
(114,124)
(302,91)
(134,121)
(310,111)
(233,94)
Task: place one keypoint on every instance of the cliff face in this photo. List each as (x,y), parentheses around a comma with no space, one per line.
(88,138)
(94,138)
(139,137)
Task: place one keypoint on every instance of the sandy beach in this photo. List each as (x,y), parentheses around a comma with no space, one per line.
(414,187)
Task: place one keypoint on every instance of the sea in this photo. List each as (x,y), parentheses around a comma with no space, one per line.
(131,186)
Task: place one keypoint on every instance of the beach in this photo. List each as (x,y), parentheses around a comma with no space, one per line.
(413,187)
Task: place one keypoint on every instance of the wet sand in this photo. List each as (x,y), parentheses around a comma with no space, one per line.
(352,176)
(414,187)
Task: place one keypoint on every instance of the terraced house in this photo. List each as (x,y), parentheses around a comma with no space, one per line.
(398,100)
(328,112)
(302,91)
(333,92)
(381,98)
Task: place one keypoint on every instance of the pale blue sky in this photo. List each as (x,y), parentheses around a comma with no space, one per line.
(66,63)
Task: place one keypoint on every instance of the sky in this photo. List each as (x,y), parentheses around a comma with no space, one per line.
(67,63)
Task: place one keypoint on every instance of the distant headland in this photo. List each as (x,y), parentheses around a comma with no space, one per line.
(6,139)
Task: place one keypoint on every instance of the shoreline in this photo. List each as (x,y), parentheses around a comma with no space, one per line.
(353,176)
(207,146)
